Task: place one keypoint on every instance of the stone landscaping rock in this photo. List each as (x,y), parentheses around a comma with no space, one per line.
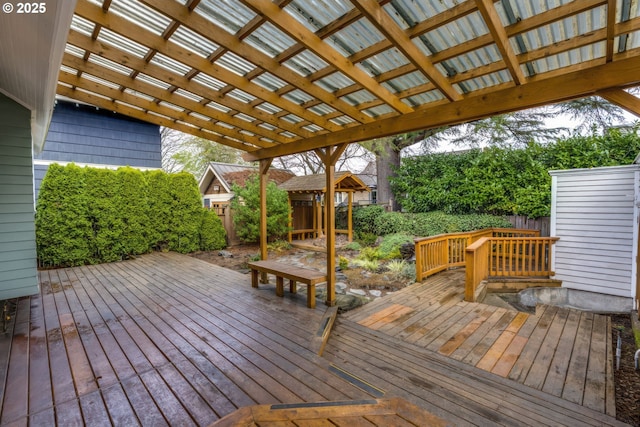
(225,254)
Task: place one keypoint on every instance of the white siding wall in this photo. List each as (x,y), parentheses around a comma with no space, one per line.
(593,214)
(17,230)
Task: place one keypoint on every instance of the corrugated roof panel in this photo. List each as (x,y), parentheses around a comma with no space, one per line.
(380,110)
(267,126)
(241,96)
(235,63)
(288,134)
(269,108)
(218,107)
(633,40)
(228,14)
(82,26)
(208,81)
(200,116)
(452,34)
(342,120)
(322,109)
(170,105)
(298,97)
(170,64)
(245,117)
(269,40)
(476,58)
(306,63)
(406,82)
(334,82)
(148,79)
(66,69)
(122,43)
(100,81)
(359,97)
(269,81)
(110,64)
(189,95)
(423,98)
(140,15)
(487,80)
(316,14)
(406,13)
(193,42)
(75,51)
(385,61)
(140,95)
(360,35)
(572,57)
(292,118)
(312,128)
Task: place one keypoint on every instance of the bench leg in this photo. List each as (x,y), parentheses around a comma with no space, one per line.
(279,286)
(292,286)
(254,278)
(311,296)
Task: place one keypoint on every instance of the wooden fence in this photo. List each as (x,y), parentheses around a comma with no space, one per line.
(438,253)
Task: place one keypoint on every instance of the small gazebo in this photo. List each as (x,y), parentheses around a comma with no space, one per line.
(306,199)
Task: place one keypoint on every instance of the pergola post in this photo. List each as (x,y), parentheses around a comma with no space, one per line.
(349,216)
(290,234)
(317,223)
(264,169)
(329,157)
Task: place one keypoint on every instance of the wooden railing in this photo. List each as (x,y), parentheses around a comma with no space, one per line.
(438,253)
(515,257)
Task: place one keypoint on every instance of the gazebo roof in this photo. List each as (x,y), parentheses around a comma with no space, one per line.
(286,76)
(344,181)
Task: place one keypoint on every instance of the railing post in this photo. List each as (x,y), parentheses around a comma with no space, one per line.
(419,267)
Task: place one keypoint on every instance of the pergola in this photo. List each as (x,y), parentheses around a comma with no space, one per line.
(313,188)
(282,77)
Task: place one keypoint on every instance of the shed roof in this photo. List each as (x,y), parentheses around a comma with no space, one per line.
(231,173)
(344,181)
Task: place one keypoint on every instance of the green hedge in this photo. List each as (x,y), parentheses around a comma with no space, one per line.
(374,220)
(501,181)
(88,215)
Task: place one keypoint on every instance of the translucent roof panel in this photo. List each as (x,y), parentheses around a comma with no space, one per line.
(334,82)
(188,95)
(322,109)
(82,26)
(565,29)
(270,40)
(385,61)
(170,64)
(236,64)
(269,81)
(298,97)
(123,43)
(359,35)
(193,42)
(424,98)
(406,82)
(406,13)
(476,58)
(452,34)
(487,80)
(572,57)
(208,81)
(343,120)
(306,63)
(152,81)
(359,97)
(113,66)
(318,13)
(380,110)
(269,108)
(228,14)
(241,96)
(140,15)
(523,9)
(75,51)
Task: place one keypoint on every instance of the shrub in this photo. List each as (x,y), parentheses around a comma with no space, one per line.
(364,218)
(390,245)
(343,263)
(160,209)
(372,265)
(279,246)
(185,216)
(369,254)
(133,210)
(352,246)
(212,232)
(246,211)
(62,225)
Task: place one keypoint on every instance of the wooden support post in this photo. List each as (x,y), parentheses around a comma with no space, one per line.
(290,217)
(329,157)
(264,168)
(349,216)
(318,217)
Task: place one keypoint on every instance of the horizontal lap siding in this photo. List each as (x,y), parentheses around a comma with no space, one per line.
(18,275)
(85,135)
(594,219)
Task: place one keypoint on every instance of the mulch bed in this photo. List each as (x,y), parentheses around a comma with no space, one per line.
(627,379)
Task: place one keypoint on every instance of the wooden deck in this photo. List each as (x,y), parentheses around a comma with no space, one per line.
(566,353)
(170,340)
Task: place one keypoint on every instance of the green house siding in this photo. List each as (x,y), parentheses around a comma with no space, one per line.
(18,273)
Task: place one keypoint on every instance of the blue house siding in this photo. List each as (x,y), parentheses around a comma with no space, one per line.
(85,135)
(18,265)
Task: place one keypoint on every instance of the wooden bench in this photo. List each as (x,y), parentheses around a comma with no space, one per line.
(293,273)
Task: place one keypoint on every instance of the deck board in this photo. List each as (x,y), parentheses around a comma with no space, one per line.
(167,339)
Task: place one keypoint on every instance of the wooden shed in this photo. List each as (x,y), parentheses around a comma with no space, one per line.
(594,212)
(306,200)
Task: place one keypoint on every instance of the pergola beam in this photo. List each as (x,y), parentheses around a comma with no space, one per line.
(563,87)
(290,26)
(383,22)
(623,99)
